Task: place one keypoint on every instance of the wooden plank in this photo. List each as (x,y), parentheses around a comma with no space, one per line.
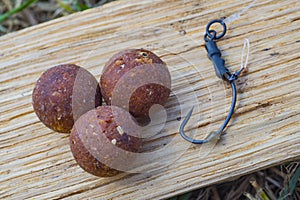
(36,163)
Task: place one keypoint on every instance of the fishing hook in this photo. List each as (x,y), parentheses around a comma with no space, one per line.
(222,72)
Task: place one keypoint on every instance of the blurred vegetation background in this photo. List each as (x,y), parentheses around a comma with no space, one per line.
(19,14)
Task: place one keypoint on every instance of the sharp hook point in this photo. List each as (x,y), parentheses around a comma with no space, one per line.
(183,124)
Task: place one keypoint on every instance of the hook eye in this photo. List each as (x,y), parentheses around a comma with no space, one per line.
(209,32)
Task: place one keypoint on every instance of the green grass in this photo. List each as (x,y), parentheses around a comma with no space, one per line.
(16,10)
(290,188)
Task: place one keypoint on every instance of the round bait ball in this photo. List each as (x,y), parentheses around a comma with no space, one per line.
(135,80)
(103,141)
(62,94)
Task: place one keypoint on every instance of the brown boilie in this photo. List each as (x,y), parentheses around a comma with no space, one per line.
(103,141)
(135,80)
(62,94)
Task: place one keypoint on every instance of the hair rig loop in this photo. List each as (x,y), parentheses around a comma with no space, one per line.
(222,72)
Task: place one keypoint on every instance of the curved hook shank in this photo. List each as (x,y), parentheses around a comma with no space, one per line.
(231,110)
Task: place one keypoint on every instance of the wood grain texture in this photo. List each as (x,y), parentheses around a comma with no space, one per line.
(36,163)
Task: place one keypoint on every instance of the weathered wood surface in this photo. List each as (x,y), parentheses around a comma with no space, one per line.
(36,163)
